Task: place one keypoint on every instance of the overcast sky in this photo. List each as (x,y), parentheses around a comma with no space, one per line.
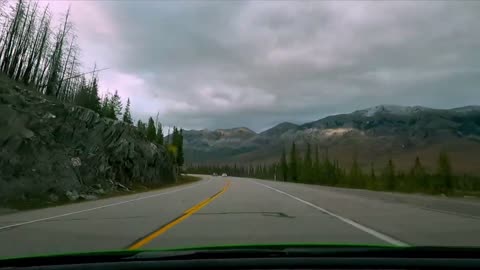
(221,64)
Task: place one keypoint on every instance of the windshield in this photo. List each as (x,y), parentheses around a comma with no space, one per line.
(130,125)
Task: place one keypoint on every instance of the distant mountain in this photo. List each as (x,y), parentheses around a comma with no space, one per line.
(392,109)
(373,134)
(279,129)
(217,137)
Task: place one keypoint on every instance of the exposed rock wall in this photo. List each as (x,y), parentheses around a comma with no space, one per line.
(53,150)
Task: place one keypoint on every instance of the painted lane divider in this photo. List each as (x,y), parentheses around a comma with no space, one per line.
(148,238)
(359,226)
(102,206)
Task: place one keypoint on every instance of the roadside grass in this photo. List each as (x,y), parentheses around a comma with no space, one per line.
(38,203)
(139,188)
(466,194)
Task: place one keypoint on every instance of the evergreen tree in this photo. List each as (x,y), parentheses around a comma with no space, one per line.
(93,98)
(329,170)
(293,164)
(307,165)
(356,175)
(159,133)
(174,139)
(82,96)
(172,145)
(372,181)
(87,96)
(389,175)
(180,158)
(284,165)
(418,176)
(116,106)
(445,178)
(168,138)
(141,127)
(106,107)
(127,117)
(316,166)
(151,132)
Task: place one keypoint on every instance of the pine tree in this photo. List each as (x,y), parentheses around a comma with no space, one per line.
(93,98)
(293,164)
(105,105)
(141,127)
(168,138)
(445,178)
(81,98)
(127,117)
(159,133)
(316,166)
(174,136)
(372,181)
(328,170)
(389,175)
(307,165)
(151,132)
(356,176)
(107,109)
(418,176)
(180,158)
(116,106)
(172,142)
(284,165)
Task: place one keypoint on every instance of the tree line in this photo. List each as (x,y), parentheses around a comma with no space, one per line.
(309,167)
(45,56)
(261,171)
(153,131)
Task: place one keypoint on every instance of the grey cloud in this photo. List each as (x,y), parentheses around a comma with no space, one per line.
(236,63)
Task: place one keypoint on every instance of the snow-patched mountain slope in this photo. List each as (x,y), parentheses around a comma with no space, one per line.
(392,109)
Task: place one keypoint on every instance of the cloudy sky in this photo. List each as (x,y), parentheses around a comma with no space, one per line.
(221,64)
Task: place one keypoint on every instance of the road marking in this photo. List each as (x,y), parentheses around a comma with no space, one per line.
(196,206)
(101,207)
(361,227)
(147,239)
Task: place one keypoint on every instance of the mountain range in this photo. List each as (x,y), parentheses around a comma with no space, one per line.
(372,135)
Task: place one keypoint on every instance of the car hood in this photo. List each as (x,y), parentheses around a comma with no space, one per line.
(316,250)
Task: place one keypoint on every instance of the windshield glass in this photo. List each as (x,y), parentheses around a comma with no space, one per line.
(170,124)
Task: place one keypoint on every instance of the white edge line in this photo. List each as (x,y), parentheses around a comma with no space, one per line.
(370,231)
(99,207)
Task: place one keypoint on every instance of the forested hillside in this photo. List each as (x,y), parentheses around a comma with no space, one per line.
(314,167)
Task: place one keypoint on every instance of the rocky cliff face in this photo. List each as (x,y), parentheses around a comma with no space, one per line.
(51,150)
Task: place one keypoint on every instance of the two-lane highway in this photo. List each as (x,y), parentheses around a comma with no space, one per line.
(229,210)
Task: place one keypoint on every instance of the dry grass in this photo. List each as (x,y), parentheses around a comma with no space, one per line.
(137,188)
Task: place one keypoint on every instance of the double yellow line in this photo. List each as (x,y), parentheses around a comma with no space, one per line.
(147,239)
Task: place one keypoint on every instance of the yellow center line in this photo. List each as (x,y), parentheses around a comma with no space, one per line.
(147,239)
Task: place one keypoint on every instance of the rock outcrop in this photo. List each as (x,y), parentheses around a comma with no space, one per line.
(56,151)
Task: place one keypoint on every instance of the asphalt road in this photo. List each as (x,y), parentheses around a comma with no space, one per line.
(229,210)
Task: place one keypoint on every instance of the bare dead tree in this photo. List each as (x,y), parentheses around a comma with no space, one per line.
(42,51)
(11,36)
(22,54)
(62,76)
(35,50)
(71,84)
(56,62)
(16,48)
